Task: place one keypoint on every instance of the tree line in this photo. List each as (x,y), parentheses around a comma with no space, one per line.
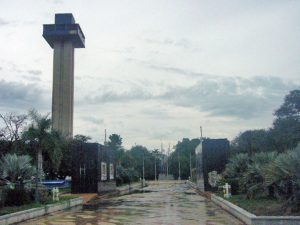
(266,162)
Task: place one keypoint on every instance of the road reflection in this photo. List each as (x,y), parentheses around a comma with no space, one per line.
(162,203)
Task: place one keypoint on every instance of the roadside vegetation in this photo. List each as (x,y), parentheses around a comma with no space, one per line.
(13,209)
(265,164)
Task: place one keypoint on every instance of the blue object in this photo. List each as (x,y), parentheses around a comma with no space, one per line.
(57,183)
(64,29)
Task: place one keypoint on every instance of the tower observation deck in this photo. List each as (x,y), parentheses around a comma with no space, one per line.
(63,37)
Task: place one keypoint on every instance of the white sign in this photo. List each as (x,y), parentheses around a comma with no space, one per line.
(111,171)
(103,171)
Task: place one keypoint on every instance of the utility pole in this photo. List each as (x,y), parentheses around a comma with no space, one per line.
(168,160)
(179,178)
(162,166)
(143,170)
(105,137)
(190,166)
(200,132)
(155,166)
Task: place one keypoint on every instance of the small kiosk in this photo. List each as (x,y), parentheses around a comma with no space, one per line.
(211,155)
(93,169)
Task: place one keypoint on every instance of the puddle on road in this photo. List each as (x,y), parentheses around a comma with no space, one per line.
(172,204)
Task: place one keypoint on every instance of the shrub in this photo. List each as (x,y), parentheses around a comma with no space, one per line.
(17,196)
(252,181)
(234,171)
(16,169)
(283,174)
(125,176)
(44,193)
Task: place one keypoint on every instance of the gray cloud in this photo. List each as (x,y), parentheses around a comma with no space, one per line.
(182,43)
(174,70)
(35,72)
(93,120)
(219,96)
(169,133)
(3,22)
(31,78)
(166,68)
(232,96)
(110,96)
(20,96)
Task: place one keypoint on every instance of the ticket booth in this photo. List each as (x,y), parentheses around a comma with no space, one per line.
(93,168)
(211,155)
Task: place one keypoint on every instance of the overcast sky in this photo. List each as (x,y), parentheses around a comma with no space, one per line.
(154,71)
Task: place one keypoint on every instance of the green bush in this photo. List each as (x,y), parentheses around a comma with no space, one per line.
(17,196)
(126,175)
(234,171)
(283,175)
(44,194)
(252,182)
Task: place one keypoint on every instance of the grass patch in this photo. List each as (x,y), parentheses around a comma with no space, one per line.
(260,207)
(64,190)
(13,209)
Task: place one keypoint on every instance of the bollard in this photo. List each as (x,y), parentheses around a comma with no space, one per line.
(55,194)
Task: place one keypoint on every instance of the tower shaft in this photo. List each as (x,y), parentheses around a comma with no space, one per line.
(63,87)
(63,37)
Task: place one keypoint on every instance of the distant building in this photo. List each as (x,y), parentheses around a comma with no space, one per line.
(93,168)
(211,155)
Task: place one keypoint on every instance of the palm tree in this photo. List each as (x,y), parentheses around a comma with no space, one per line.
(36,135)
(252,180)
(283,174)
(16,169)
(43,140)
(235,169)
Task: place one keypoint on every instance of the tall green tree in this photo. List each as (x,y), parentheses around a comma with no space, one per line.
(252,141)
(183,150)
(286,126)
(65,168)
(291,107)
(115,141)
(44,143)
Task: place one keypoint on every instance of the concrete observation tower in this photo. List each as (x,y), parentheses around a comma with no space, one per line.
(63,37)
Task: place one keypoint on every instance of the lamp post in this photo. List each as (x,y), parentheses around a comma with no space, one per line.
(143,170)
(155,174)
(179,178)
(190,166)
(34,143)
(155,167)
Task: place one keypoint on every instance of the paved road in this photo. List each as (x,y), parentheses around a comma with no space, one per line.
(162,203)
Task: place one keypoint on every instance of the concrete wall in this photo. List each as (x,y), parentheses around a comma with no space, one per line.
(36,212)
(106,186)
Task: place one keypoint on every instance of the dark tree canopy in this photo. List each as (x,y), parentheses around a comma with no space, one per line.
(251,141)
(81,138)
(182,153)
(291,106)
(286,126)
(115,140)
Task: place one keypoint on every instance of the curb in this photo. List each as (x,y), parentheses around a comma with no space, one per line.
(249,218)
(40,211)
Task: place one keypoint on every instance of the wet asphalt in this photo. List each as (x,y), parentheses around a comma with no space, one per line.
(161,203)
